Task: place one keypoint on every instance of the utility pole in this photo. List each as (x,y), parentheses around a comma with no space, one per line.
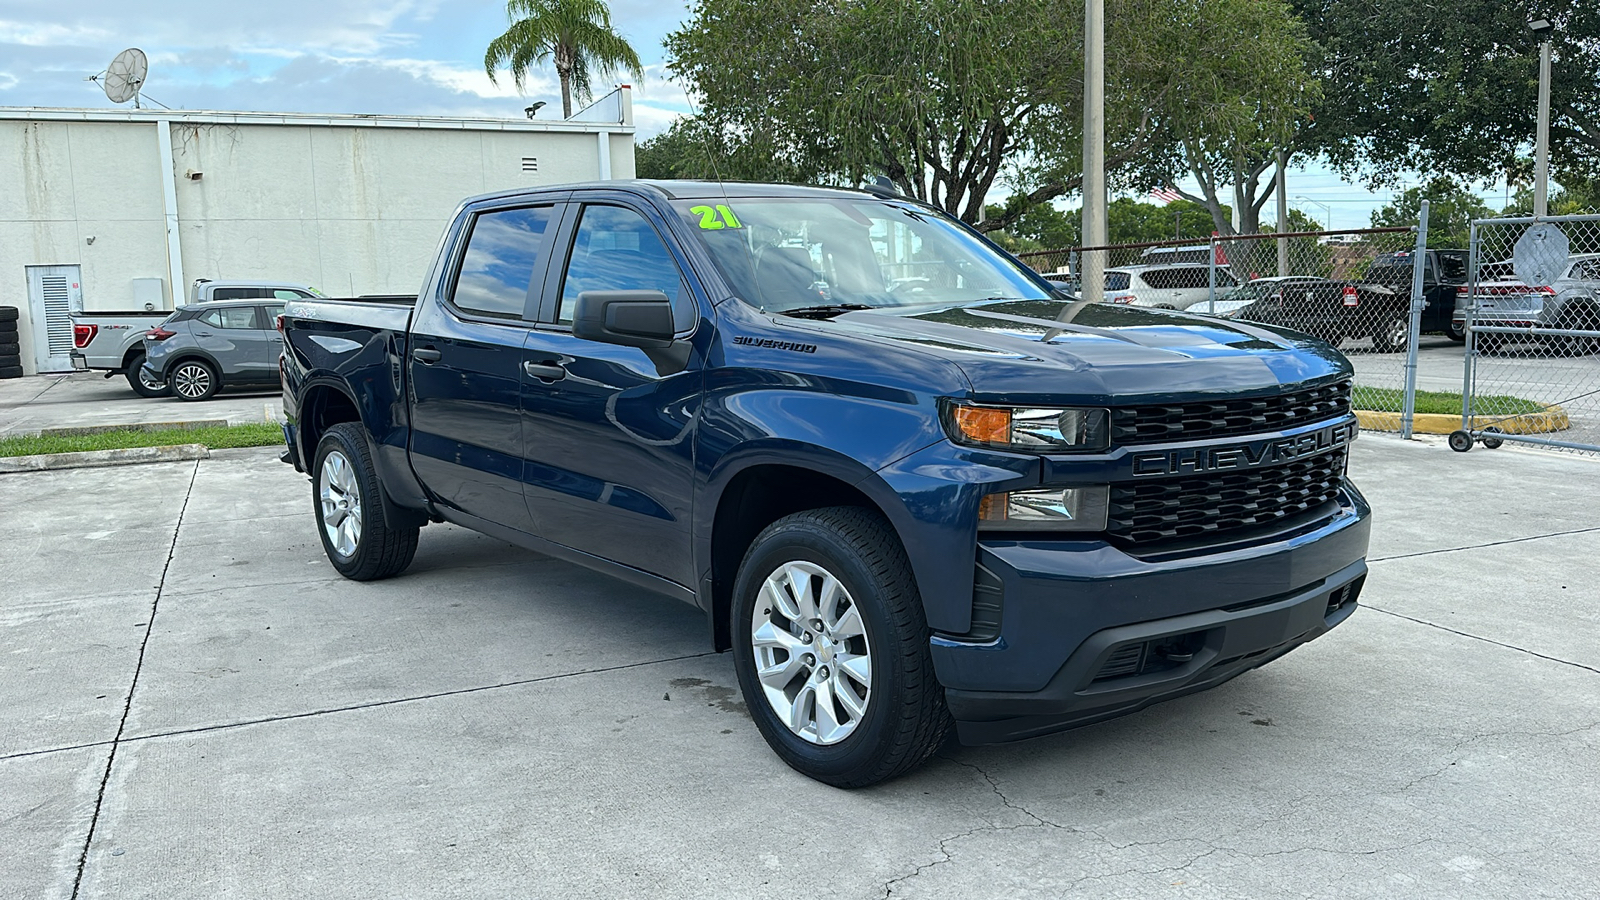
(1093,281)
(1283,213)
(1541,151)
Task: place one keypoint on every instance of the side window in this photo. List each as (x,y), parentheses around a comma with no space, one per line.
(234,293)
(615,249)
(270,315)
(287,294)
(498,265)
(232,317)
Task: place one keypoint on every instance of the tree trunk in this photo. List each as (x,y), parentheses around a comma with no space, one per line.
(564,72)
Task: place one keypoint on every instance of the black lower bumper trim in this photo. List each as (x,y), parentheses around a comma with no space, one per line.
(1212,647)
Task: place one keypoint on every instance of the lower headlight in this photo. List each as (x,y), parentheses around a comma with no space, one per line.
(1048,509)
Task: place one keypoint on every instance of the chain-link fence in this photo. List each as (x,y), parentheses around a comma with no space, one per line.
(1530,315)
(1351,288)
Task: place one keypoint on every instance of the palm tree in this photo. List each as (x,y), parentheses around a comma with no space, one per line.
(576,34)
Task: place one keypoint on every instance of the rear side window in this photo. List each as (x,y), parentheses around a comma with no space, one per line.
(1117,281)
(238,293)
(231,317)
(1187,278)
(498,265)
(287,294)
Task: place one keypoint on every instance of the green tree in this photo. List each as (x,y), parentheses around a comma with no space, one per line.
(1451,209)
(1243,94)
(1414,84)
(576,35)
(948,98)
(693,148)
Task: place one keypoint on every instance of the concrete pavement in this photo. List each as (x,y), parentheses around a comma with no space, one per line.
(195,705)
(88,398)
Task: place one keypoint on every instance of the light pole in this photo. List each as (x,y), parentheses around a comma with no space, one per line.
(1091,284)
(1541,146)
(1327,211)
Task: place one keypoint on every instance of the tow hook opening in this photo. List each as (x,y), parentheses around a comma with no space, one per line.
(1147,657)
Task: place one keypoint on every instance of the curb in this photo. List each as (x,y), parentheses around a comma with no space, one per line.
(89,459)
(77,430)
(1553,419)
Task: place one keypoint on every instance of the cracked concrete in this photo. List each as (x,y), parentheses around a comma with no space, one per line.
(494,723)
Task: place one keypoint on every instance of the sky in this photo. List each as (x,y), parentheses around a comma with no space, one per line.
(400,57)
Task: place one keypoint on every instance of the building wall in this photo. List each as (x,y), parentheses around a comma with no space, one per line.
(349,210)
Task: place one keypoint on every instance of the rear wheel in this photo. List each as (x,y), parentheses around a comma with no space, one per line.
(143,384)
(1392,335)
(831,648)
(1583,319)
(359,542)
(193,379)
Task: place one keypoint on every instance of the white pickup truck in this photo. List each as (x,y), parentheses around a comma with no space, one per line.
(112,342)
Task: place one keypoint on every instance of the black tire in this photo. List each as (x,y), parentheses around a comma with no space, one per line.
(10,359)
(1457,333)
(1579,320)
(904,718)
(1392,335)
(8,313)
(137,382)
(1492,443)
(193,379)
(10,348)
(1460,441)
(380,550)
(8,331)
(10,371)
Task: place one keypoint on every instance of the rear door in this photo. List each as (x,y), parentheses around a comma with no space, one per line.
(609,428)
(465,362)
(232,336)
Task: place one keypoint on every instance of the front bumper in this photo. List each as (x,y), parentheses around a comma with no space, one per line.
(1089,632)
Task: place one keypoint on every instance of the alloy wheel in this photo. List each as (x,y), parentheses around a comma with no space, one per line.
(340,496)
(812,656)
(191,380)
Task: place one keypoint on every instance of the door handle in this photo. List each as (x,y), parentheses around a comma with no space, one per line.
(426,355)
(547,371)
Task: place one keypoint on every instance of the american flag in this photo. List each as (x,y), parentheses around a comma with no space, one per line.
(1165,195)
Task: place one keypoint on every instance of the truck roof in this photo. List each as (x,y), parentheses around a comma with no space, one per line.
(696,190)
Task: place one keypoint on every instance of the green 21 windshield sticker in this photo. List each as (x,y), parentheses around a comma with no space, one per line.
(708,217)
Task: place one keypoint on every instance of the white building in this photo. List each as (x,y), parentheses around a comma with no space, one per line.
(130,206)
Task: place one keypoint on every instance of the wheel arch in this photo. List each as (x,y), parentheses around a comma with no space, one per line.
(764,488)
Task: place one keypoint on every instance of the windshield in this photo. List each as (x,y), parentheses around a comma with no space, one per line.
(787,254)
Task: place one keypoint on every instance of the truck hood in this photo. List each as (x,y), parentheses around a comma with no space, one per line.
(1014,351)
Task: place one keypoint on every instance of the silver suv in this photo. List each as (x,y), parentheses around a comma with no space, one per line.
(1569,303)
(200,349)
(1177,286)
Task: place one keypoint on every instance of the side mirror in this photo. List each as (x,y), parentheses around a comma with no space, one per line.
(630,318)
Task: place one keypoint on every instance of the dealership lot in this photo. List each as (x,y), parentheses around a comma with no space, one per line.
(497,723)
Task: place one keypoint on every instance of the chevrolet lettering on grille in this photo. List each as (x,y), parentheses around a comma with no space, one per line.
(1244,456)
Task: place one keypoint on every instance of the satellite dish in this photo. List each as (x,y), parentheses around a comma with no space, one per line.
(125,76)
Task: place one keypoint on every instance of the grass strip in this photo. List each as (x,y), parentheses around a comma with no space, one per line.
(261,434)
(1445,402)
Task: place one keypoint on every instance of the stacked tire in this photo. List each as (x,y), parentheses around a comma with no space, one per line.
(10,344)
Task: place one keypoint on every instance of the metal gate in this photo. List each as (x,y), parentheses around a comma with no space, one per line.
(1531,314)
(54,293)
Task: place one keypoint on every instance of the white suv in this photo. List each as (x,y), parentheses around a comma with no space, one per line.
(1177,286)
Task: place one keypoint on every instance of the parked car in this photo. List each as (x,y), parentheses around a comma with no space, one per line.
(904,511)
(1336,311)
(1228,304)
(226,343)
(1177,286)
(1568,304)
(1444,276)
(1160,256)
(113,342)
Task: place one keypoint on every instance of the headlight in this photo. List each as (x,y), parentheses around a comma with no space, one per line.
(1040,430)
(1049,509)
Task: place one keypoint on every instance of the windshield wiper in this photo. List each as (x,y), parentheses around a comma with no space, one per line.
(825,311)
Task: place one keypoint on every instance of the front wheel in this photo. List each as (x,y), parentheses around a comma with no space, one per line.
(346,496)
(831,648)
(141,382)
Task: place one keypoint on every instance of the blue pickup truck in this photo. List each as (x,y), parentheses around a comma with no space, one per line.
(913,488)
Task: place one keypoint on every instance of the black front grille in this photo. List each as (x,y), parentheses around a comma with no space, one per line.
(1219,418)
(1149,513)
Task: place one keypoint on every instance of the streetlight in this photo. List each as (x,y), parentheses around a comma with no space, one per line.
(1327,212)
(1541,151)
